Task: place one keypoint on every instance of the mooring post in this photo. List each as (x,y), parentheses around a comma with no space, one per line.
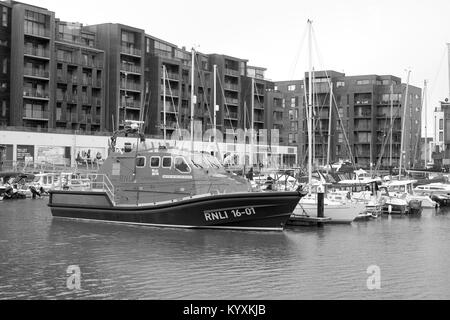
(320,202)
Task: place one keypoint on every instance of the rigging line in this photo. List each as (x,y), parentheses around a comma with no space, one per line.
(334,99)
(208,106)
(297,57)
(387,138)
(225,103)
(438,72)
(173,103)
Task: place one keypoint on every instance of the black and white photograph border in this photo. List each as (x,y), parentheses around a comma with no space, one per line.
(224,155)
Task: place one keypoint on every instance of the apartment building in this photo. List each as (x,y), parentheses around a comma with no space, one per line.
(366,118)
(5,60)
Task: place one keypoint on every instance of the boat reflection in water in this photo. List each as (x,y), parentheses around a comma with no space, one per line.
(173,188)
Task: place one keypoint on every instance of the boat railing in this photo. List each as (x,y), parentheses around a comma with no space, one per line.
(93,182)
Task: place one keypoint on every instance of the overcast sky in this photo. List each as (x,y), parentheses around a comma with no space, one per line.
(352,36)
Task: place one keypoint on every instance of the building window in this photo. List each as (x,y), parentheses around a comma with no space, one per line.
(291,115)
(4,108)
(5,17)
(441,124)
(362,82)
(5,65)
(294,125)
(291,87)
(147,45)
(441,136)
(283,104)
(340,84)
(275,88)
(293,102)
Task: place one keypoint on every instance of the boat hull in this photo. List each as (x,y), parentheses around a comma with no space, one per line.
(338,214)
(247,211)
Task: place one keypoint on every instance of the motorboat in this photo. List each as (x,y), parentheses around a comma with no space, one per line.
(171,187)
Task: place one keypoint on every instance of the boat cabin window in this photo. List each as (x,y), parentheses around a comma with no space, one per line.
(181,165)
(140,162)
(154,162)
(167,162)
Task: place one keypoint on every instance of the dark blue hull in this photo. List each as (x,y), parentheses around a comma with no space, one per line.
(248,211)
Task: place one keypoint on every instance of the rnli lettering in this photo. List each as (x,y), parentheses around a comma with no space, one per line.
(230,213)
(176,177)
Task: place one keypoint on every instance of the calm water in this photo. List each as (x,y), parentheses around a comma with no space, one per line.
(121,262)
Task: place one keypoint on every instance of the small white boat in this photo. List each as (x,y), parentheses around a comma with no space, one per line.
(400,198)
(338,211)
(432,189)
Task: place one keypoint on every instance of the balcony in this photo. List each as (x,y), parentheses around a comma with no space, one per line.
(73,99)
(231,72)
(36,73)
(363,114)
(85,100)
(259,106)
(133,105)
(61,96)
(171,92)
(231,86)
(130,51)
(170,108)
(36,52)
(173,76)
(96,102)
(35,115)
(232,101)
(36,94)
(231,115)
(362,101)
(132,86)
(37,32)
(97,83)
(86,82)
(129,67)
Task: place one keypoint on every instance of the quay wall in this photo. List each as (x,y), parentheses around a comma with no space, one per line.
(67,149)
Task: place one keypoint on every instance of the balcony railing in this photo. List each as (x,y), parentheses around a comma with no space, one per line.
(362,101)
(34,93)
(231,101)
(35,114)
(231,72)
(37,52)
(170,92)
(133,104)
(86,82)
(230,86)
(130,68)
(259,105)
(34,72)
(363,114)
(97,101)
(85,100)
(61,96)
(172,75)
(231,115)
(97,83)
(130,86)
(170,108)
(72,99)
(36,31)
(132,51)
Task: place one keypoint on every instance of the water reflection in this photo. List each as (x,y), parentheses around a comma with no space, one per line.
(128,262)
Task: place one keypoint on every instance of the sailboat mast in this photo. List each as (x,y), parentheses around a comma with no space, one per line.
(164,103)
(252,126)
(215,102)
(426,133)
(329,126)
(392,124)
(403,127)
(193,99)
(310,107)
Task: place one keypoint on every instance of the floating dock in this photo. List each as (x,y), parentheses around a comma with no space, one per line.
(306,221)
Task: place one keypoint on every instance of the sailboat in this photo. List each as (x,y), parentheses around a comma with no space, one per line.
(399,195)
(344,211)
